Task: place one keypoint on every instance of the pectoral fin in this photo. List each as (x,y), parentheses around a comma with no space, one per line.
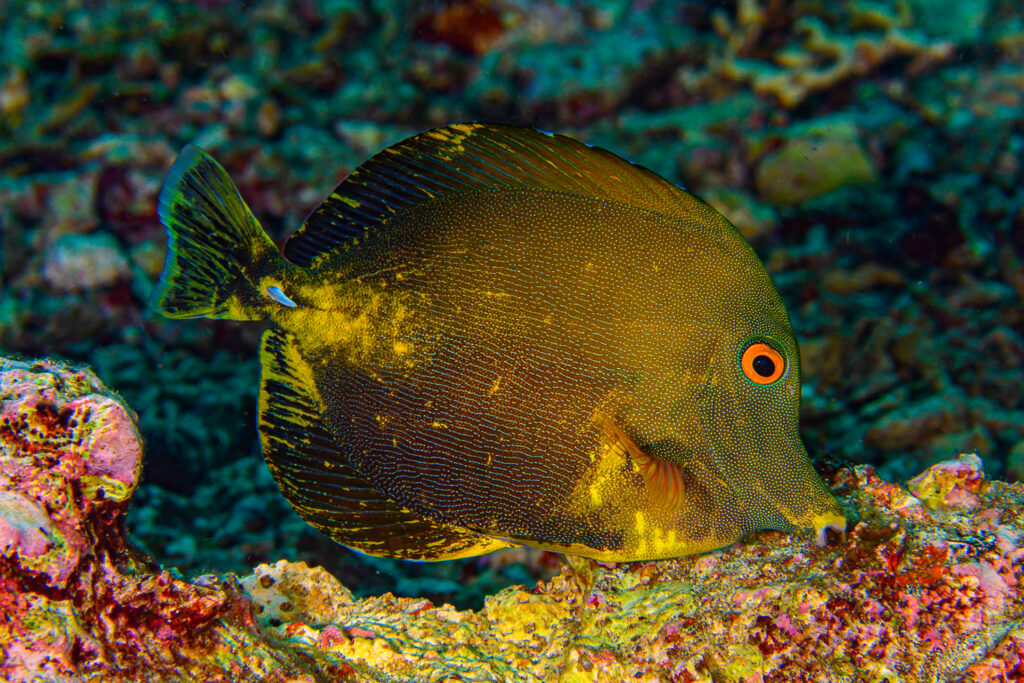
(664,479)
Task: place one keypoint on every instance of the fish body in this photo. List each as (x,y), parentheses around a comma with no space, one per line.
(489,336)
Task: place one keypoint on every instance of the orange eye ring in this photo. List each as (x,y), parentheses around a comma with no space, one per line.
(762,364)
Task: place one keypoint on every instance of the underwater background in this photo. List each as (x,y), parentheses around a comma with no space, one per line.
(870,151)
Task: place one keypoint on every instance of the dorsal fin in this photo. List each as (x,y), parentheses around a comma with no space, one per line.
(323,488)
(474,157)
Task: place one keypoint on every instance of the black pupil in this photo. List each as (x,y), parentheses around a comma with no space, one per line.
(764,366)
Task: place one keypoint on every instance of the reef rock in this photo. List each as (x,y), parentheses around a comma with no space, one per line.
(925,586)
(82,262)
(805,168)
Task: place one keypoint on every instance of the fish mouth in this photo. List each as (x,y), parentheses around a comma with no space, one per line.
(822,523)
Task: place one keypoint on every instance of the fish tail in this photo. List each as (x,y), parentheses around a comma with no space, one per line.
(216,250)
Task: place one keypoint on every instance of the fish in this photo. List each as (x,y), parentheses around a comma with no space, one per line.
(489,336)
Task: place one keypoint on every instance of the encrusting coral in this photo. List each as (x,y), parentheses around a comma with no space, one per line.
(925,587)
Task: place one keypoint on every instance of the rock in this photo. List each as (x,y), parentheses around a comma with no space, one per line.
(750,217)
(1015,462)
(15,96)
(79,605)
(71,455)
(867,277)
(24,527)
(805,168)
(237,89)
(84,262)
(914,426)
(470,27)
(925,586)
(268,118)
(951,484)
(365,139)
(71,205)
(960,21)
(820,55)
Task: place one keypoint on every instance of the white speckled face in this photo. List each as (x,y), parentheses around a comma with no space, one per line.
(754,404)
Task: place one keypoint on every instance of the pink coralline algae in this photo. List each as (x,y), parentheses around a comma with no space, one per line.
(954,484)
(924,587)
(69,456)
(75,604)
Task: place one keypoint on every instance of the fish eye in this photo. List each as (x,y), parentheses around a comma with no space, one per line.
(762,364)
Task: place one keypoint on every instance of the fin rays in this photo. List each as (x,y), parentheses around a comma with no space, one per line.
(476,157)
(212,240)
(312,472)
(665,480)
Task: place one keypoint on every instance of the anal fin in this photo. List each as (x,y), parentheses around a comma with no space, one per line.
(328,493)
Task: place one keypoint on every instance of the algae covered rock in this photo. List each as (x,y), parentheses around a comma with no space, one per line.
(70,456)
(77,605)
(805,168)
(78,262)
(925,586)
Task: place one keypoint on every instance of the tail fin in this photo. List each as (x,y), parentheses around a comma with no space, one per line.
(216,249)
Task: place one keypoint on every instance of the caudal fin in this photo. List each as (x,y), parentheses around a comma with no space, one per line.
(215,247)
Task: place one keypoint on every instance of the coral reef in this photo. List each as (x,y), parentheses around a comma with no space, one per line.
(78,262)
(926,586)
(818,59)
(78,603)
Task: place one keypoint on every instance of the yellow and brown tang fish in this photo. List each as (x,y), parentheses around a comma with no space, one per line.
(490,335)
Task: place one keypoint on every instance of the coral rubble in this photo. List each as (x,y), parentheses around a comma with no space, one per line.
(925,587)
